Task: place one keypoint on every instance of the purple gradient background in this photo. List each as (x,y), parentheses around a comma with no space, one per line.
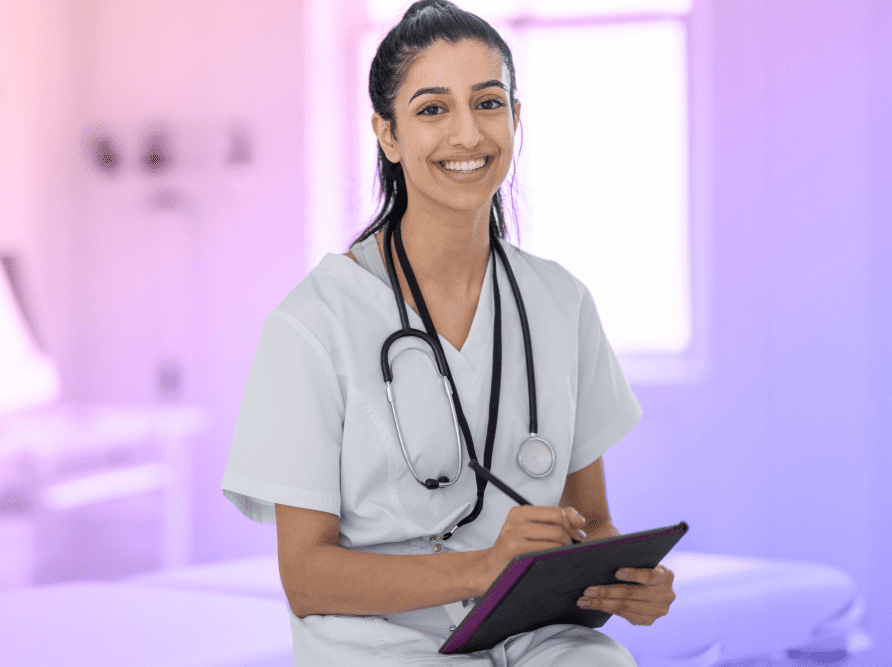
(782,451)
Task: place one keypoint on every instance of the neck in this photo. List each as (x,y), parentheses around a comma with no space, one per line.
(449,257)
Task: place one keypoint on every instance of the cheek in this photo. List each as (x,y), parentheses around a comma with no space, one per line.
(505,159)
(507,144)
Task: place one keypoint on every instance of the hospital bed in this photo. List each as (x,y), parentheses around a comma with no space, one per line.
(99,624)
(729,611)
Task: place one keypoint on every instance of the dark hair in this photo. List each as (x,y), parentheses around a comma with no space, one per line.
(424,23)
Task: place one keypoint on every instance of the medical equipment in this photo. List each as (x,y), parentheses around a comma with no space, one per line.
(536,456)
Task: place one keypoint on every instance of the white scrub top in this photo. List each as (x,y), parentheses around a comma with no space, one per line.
(315,430)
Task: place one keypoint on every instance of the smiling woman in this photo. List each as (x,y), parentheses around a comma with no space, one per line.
(376,553)
(449,131)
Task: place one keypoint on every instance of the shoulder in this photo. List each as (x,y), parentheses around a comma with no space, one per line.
(331,280)
(546,277)
(319,304)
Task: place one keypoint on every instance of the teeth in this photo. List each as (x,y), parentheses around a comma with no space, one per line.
(464,166)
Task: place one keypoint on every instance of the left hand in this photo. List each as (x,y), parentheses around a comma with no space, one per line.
(639,605)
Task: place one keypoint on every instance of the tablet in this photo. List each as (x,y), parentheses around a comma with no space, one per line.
(541,587)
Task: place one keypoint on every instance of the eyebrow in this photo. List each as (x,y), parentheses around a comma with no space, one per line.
(440,90)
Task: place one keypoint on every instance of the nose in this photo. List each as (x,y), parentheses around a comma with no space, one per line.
(465,130)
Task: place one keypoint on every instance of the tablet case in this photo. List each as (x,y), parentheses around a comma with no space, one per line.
(541,587)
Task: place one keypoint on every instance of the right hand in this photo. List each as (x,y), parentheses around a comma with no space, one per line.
(530,528)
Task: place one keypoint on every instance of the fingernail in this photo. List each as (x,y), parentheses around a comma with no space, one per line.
(581,533)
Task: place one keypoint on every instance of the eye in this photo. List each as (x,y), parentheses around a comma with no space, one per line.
(437,106)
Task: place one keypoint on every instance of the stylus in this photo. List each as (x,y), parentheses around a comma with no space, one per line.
(486,474)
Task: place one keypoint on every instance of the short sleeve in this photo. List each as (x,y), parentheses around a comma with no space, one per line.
(606,408)
(286,446)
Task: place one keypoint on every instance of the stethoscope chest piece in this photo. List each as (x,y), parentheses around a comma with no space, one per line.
(536,457)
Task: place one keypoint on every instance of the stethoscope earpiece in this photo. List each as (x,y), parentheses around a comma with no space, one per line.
(435,483)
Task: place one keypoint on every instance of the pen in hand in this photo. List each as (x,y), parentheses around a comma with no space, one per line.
(511,493)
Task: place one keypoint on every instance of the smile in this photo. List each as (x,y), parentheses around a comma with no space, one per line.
(464,175)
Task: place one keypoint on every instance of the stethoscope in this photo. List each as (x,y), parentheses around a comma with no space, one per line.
(535,456)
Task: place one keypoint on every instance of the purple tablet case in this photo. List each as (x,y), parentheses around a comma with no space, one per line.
(541,588)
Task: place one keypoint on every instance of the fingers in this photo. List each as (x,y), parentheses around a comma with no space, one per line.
(632,593)
(563,523)
(658,575)
(574,518)
(574,523)
(562,533)
(640,604)
(663,574)
(621,600)
(573,514)
(552,533)
(628,608)
(568,518)
(545,514)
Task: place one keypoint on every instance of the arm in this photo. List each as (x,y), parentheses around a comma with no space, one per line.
(321,577)
(340,581)
(586,491)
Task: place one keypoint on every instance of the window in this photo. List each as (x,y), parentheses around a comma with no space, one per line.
(603,176)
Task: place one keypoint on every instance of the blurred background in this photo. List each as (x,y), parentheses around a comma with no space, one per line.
(717,172)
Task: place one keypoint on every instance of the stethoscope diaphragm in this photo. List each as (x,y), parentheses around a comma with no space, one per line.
(536,457)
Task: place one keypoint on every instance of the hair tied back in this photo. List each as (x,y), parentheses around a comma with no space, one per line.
(417,7)
(403,45)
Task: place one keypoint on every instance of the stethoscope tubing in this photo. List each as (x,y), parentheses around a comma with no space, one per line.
(399,434)
(525,328)
(407,330)
(443,367)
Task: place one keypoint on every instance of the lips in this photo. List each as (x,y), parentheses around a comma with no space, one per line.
(453,171)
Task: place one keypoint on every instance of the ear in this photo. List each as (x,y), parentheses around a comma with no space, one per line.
(516,114)
(381,128)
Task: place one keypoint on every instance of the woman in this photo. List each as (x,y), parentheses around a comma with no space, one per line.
(380,536)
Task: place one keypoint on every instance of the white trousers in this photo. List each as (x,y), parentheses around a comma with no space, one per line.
(374,641)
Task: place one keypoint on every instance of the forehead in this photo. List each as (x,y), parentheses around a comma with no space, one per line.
(456,66)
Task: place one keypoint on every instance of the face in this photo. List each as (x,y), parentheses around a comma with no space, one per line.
(459,124)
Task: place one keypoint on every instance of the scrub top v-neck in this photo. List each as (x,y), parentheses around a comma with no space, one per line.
(369,258)
(315,428)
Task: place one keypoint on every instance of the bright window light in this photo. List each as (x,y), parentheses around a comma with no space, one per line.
(28,377)
(605,168)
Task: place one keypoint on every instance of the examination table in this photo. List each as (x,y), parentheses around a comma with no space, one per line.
(729,610)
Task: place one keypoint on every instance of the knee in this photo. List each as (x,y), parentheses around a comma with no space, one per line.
(626,659)
(621,656)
